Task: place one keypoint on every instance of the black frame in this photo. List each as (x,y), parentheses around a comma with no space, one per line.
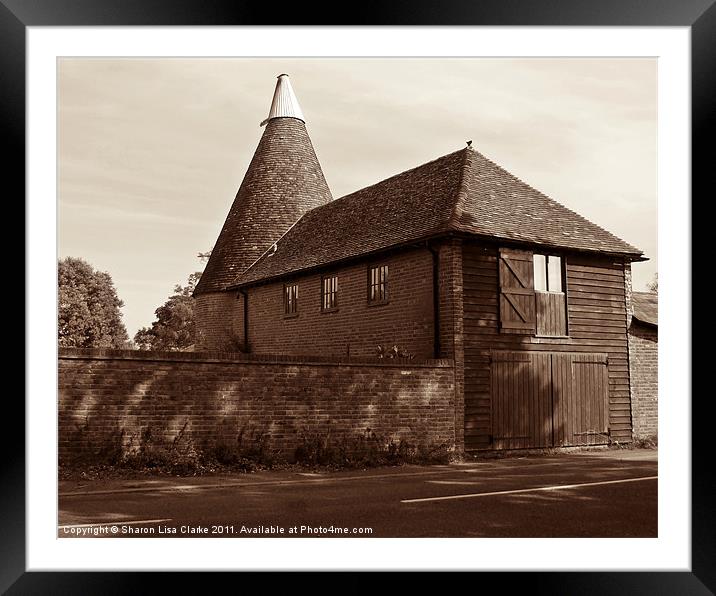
(700,15)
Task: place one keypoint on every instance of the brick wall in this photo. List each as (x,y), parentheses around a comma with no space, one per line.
(120,395)
(643,359)
(219,320)
(452,344)
(356,327)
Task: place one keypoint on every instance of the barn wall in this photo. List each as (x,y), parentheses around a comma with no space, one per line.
(644,357)
(355,328)
(597,324)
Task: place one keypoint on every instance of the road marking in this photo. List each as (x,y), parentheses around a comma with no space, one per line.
(457,482)
(528,490)
(116,523)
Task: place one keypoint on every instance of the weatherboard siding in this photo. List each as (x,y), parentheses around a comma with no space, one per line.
(596,306)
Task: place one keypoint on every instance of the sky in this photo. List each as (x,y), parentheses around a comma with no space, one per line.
(151,152)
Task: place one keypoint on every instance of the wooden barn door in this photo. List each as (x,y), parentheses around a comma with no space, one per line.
(545,399)
(580,397)
(521,400)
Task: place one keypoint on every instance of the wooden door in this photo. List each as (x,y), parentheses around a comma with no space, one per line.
(580,398)
(521,400)
(545,399)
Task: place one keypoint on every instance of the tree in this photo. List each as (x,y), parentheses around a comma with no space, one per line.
(174,328)
(653,286)
(89,313)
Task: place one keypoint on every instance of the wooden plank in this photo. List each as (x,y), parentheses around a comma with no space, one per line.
(551,320)
(590,293)
(616,270)
(590,324)
(597,308)
(599,334)
(580,282)
(601,275)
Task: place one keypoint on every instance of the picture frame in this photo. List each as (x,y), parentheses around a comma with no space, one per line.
(700,16)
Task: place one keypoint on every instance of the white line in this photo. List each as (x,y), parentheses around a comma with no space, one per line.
(116,523)
(528,490)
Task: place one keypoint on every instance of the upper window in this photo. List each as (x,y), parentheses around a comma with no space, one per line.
(547,273)
(329,293)
(550,299)
(378,284)
(290,299)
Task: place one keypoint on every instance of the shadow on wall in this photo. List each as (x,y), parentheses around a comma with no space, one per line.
(184,413)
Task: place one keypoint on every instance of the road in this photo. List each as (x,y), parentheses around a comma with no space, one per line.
(588,494)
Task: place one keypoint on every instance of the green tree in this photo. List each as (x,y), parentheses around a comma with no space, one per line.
(89,313)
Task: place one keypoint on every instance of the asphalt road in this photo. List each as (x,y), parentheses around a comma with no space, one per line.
(605,494)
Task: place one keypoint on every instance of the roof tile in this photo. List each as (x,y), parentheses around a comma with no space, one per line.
(460,192)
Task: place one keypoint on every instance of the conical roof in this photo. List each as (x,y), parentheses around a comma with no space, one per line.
(284,180)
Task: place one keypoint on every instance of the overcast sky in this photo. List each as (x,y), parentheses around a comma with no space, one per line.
(152,151)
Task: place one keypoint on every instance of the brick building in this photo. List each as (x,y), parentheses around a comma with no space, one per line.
(644,360)
(456,258)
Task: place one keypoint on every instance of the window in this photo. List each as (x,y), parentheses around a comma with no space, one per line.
(547,273)
(329,293)
(378,284)
(550,299)
(290,299)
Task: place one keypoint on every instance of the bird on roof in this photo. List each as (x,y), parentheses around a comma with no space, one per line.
(469,144)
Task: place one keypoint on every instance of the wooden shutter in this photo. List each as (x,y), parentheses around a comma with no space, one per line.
(517,295)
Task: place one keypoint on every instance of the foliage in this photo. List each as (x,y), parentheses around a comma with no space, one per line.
(366,450)
(653,286)
(89,313)
(174,328)
(394,352)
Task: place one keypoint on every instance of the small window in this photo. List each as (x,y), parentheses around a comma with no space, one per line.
(547,273)
(550,300)
(329,293)
(290,299)
(554,274)
(378,284)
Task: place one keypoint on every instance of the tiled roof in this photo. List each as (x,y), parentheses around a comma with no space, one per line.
(495,203)
(460,192)
(283,181)
(646,307)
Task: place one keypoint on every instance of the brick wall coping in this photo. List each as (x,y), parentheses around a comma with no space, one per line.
(237,357)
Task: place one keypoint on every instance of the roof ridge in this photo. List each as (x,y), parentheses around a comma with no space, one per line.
(422,165)
(318,208)
(461,189)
